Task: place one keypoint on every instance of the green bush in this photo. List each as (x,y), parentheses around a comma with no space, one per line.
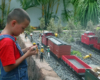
(71,39)
(65,28)
(77,53)
(98,28)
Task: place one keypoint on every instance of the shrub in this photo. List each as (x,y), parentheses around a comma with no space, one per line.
(77,53)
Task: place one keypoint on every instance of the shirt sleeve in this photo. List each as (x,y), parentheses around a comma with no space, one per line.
(7,53)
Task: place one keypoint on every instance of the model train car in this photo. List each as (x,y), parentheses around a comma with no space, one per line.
(76,64)
(89,38)
(90,75)
(62,51)
(57,46)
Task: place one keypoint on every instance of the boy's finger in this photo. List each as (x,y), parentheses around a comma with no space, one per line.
(33,48)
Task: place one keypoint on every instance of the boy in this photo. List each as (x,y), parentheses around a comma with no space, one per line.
(14,65)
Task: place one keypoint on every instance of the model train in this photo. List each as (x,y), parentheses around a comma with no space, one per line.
(62,51)
(89,38)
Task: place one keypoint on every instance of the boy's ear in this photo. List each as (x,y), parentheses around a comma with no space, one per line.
(13,22)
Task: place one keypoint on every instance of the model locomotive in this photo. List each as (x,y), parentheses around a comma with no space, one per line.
(89,38)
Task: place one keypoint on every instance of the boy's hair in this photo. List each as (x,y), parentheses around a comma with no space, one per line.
(19,15)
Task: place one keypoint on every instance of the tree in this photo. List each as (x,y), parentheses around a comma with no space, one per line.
(42,23)
(5,12)
(59,28)
(86,10)
(51,26)
(65,13)
(90,26)
(26,4)
(47,7)
(79,31)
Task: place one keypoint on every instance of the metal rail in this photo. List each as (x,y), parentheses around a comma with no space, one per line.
(85,53)
(67,67)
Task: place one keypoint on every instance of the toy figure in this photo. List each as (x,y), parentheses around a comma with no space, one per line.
(56,35)
(25,35)
(87,56)
(34,44)
(31,37)
(48,51)
(41,54)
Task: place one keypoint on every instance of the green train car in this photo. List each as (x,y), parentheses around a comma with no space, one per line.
(89,75)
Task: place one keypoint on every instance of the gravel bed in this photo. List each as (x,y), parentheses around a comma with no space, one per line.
(88,60)
(62,71)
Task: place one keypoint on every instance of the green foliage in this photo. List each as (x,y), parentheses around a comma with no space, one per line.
(70,24)
(71,39)
(65,13)
(98,28)
(78,28)
(59,28)
(65,28)
(28,29)
(47,7)
(51,26)
(77,53)
(67,37)
(42,23)
(28,3)
(43,1)
(87,10)
(90,26)
(5,9)
(55,27)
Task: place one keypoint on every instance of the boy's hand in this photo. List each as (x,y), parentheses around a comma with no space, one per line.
(31,51)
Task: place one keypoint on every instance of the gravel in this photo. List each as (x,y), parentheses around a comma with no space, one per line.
(62,71)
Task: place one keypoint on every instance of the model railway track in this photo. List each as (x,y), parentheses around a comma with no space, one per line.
(61,50)
(85,53)
(66,67)
(96,60)
(71,70)
(88,47)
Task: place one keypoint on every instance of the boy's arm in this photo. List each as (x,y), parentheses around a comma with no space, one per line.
(13,66)
(19,60)
(25,49)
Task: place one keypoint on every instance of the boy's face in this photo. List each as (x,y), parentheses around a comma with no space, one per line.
(18,28)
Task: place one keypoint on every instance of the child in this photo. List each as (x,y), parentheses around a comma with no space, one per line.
(41,54)
(14,65)
(48,51)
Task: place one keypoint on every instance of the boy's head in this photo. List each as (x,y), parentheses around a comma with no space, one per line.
(18,14)
(17,20)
